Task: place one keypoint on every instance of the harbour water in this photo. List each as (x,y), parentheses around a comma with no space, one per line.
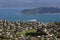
(14,15)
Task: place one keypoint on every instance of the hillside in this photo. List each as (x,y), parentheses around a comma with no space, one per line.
(41,10)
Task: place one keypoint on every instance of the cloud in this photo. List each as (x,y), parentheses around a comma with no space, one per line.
(28,3)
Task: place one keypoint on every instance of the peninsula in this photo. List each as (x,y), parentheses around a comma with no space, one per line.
(41,10)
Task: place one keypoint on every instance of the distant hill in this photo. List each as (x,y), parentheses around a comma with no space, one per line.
(41,10)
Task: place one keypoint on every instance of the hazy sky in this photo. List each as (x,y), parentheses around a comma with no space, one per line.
(29,3)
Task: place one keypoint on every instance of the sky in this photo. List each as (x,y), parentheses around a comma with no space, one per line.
(29,3)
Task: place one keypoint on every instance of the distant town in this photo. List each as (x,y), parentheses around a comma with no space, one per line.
(30,30)
(41,10)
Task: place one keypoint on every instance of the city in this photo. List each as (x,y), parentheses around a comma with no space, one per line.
(21,30)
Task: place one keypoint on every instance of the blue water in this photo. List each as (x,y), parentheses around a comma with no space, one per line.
(14,15)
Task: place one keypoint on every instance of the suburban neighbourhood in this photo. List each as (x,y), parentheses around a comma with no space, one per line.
(21,30)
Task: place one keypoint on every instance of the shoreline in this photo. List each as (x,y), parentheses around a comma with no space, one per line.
(28,21)
(40,13)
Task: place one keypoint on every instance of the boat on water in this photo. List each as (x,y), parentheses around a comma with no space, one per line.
(33,20)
